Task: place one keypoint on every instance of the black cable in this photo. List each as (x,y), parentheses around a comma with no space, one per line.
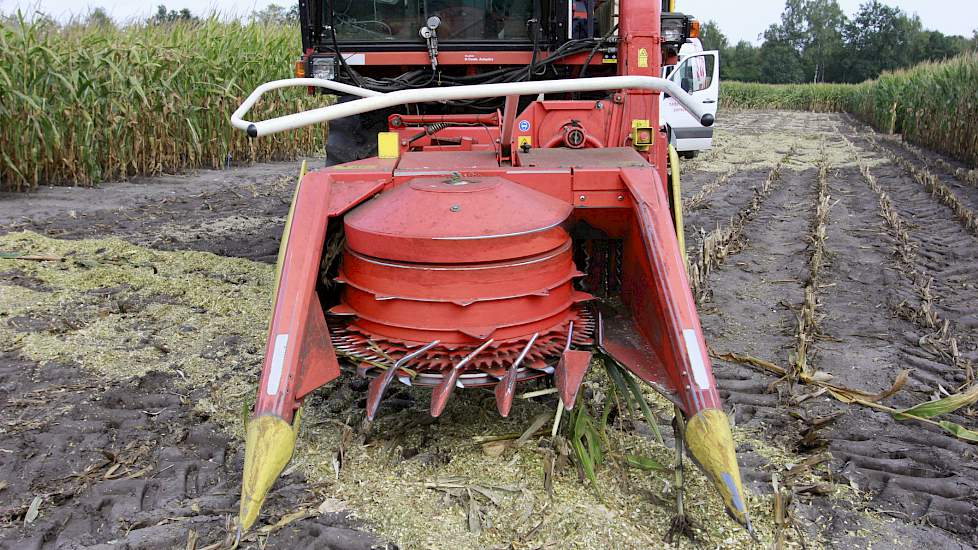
(531,24)
(336,46)
(423,78)
(590,55)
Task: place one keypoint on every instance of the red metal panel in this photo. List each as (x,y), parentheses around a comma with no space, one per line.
(586,179)
(445,161)
(347,194)
(553,182)
(659,297)
(288,355)
(298,355)
(439,220)
(602,199)
(318,364)
(522,58)
(368,168)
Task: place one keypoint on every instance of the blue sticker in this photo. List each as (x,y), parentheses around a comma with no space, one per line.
(524,125)
(737,501)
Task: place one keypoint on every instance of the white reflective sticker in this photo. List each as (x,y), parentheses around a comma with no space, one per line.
(696,359)
(355,59)
(278,359)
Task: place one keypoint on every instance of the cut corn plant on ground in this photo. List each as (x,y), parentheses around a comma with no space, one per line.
(176,312)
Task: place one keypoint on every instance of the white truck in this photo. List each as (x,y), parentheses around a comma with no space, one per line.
(698,72)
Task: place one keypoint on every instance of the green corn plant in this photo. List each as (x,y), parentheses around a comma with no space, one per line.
(588,437)
(81,105)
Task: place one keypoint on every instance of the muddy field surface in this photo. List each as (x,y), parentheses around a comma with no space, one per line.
(818,244)
(129,465)
(237,212)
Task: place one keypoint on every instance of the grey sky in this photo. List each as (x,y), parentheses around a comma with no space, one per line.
(747,20)
(738,20)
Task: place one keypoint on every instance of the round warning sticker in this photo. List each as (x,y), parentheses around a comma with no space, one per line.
(524,125)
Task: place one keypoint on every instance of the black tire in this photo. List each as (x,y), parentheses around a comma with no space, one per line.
(687,155)
(354,138)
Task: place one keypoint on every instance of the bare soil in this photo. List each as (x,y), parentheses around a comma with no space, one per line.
(132,464)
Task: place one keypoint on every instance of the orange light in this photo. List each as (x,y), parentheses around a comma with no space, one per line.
(300,68)
(694,29)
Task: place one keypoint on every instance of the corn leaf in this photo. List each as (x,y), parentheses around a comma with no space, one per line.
(644,463)
(959,431)
(586,445)
(938,407)
(643,405)
(618,377)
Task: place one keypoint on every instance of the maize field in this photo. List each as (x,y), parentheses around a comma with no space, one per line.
(934,105)
(84,104)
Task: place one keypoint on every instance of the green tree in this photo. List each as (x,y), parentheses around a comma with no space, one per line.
(742,62)
(936,46)
(813,28)
(815,42)
(780,63)
(99,18)
(879,38)
(712,37)
(163,16)
(275,14)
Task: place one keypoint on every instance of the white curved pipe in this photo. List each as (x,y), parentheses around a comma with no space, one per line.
(373,101)
(250,101)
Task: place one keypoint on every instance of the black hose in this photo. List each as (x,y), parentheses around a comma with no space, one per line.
(590,55)
(336,46)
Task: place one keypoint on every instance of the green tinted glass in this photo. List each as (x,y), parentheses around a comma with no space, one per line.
(461,20)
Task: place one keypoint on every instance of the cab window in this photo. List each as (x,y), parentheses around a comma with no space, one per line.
(461,20)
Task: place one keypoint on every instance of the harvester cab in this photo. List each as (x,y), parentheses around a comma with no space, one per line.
(508,207)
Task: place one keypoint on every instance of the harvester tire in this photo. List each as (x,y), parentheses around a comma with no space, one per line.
(354,138)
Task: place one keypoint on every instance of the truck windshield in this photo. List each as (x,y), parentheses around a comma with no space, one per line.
(461,20)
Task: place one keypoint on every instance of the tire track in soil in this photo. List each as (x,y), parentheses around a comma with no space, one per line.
(715,246)
(751,310)
(716,207)
(946,253)
(753,301)
(734,303)
(954,168)
(129,466)
(749,307)
(963,182)
(941,191)
(913,471)
(237,212)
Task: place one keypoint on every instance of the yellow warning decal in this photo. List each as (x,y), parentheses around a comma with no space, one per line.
(388,145)
(521,140)
(643,57)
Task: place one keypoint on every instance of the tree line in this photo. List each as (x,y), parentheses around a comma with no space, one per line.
(816,42)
